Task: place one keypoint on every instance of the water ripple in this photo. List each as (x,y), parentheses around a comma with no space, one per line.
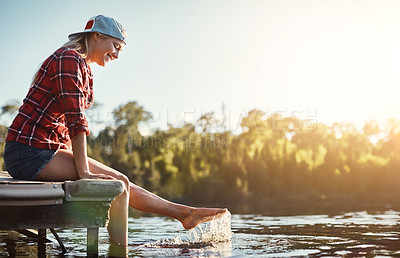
(345,234)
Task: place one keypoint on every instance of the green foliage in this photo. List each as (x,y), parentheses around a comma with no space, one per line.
(3,133)
(274,158)
(10,108)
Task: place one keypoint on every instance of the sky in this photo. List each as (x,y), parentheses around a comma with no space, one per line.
(327,61)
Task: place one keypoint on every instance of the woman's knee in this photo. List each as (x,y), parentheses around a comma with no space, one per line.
(125,181)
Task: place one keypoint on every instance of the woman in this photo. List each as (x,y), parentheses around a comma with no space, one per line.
(47,139)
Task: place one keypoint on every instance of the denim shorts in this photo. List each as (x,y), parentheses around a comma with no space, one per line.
(25,162)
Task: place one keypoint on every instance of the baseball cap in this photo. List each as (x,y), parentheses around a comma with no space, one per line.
(105,25)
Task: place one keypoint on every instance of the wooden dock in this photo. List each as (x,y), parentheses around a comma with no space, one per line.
(48,205)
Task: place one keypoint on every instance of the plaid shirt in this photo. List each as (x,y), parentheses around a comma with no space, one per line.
(53,110)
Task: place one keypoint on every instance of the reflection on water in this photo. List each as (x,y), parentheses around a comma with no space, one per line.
(346,234)
(353,234)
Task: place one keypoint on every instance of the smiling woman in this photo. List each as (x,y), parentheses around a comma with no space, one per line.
(107,49)
(47,139)
(105,36)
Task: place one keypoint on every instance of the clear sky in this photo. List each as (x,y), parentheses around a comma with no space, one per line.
(331,61)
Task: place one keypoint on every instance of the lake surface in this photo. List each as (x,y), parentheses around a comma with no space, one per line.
(342,234)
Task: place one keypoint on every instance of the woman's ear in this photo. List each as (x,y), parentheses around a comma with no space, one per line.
(96,36)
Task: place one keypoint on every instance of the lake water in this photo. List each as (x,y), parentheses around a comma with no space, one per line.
(342,234)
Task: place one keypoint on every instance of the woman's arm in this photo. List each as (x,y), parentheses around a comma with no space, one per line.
(81,159)
(80,155)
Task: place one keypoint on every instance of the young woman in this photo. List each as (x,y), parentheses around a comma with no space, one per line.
(47,139)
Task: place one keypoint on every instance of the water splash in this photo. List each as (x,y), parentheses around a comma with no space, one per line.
(203,235)
(214,231)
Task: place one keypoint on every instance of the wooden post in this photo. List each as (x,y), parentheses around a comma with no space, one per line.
(92,241)
(42,242)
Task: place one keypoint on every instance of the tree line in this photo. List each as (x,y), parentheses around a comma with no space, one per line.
(275,160)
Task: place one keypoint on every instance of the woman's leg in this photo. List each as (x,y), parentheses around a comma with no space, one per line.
(146,201)
(190,217)
(62,167)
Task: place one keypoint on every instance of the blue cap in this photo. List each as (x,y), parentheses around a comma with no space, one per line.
(105,25)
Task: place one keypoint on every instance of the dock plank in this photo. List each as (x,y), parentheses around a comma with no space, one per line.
(70,204)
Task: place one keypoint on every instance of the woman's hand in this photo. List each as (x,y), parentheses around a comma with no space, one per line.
(81,160)
(90,175)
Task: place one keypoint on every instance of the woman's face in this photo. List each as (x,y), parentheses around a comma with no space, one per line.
(103,49)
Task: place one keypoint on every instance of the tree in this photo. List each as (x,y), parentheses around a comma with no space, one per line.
(8,111)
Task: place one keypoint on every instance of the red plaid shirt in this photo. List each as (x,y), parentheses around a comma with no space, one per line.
(53,110)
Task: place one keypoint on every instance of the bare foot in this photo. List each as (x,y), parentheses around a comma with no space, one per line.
(201,215)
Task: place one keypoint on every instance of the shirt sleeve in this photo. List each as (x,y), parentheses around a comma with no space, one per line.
(69,87)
